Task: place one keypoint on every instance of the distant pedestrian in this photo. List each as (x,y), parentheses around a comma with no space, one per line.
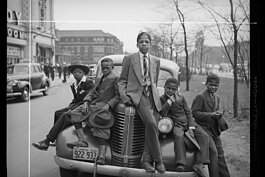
(46,69)
(65,71)
(51,69)
(60,70)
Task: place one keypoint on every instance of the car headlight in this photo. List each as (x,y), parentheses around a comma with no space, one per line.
(165,125)
(12,83)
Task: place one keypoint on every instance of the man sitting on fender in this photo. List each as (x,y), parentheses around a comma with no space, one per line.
(96,110)
(62,118)
(175,107)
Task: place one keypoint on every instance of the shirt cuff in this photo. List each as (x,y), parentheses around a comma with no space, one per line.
(191,128)
(169,102)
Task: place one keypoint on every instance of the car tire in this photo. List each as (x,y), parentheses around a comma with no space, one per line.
(46,91)
(68,173)
(25,94)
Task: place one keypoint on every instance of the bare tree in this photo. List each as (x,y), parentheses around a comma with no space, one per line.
(181,18)
(234,26)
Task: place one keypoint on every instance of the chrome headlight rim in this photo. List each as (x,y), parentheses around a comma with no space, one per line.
(165,125)
(12,83)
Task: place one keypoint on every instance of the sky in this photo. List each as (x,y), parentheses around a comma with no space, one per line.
(122,18)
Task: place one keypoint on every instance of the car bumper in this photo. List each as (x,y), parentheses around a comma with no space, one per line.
(13,94)
(89,167)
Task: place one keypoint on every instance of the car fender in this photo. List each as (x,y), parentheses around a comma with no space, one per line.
(46,80)
(22,84)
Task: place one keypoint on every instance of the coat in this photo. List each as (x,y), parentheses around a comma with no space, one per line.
(82,91)
(106,92)
(202,107)
(177,111)
(130,82)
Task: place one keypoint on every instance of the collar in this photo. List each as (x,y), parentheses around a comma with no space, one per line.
(142,55)
(82,80)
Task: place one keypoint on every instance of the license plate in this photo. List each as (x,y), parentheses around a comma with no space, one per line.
(85,153)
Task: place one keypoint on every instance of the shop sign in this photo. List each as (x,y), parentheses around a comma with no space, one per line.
(13,51)
(14,33)
(13,16)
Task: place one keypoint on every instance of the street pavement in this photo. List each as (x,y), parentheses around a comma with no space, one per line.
(58,82)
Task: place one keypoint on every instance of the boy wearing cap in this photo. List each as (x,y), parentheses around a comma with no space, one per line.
(96,110)
(175,107)
(79,88)
(205,108)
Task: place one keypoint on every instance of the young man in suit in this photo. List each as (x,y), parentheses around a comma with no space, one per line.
(174,106)
(137,87)
(80,89)
(103,98)
(205,108)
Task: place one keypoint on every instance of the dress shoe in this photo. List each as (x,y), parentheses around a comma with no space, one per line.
(42,145)
(148,167)
(180,168)
(101,160)
(101,153)
(200,170)
(160,167)
(77,144)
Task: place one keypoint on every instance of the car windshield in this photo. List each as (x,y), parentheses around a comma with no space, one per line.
(19,69)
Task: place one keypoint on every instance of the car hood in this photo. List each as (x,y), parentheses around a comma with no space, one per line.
(11,77)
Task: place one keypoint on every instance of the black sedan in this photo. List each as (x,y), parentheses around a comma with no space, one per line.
(24,79)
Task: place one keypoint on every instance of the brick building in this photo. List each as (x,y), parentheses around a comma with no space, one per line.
(88,45)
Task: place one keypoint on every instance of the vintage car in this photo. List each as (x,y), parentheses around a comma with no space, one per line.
(124,152)
(24,79)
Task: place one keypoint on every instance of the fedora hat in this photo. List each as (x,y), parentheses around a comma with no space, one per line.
(101,118)
(71,68)
(191,142)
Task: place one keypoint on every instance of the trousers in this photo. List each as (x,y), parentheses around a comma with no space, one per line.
(149,116)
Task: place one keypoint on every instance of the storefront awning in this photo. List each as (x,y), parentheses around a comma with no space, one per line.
(16,41)
(45,45)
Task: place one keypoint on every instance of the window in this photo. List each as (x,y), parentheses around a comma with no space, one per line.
(98,49)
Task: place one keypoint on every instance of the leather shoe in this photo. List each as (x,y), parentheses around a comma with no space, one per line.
(148,167)
(101,160)
(200,170)
(180,168)
(160,167)
(42,145)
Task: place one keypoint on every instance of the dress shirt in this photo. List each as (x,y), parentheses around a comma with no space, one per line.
(77,84)
(142,68)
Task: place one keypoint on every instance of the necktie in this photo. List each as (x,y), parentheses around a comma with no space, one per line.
(145,66)
(145,73)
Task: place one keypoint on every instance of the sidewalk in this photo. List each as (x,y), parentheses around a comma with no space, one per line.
(58,82)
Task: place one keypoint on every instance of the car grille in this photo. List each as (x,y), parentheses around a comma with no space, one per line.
(127,138)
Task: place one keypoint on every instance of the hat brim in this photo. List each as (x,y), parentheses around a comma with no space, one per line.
(94,124)
(191,139)
(71,68)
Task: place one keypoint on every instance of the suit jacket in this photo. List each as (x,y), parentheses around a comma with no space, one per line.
(178,111)
(130,82)
(82,91)
(106,92)
(202,106)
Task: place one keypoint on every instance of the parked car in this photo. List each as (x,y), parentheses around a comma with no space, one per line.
(24,79)
(93,71)
(125,148)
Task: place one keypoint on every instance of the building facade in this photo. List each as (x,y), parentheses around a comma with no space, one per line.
(88,45)
(30,31)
